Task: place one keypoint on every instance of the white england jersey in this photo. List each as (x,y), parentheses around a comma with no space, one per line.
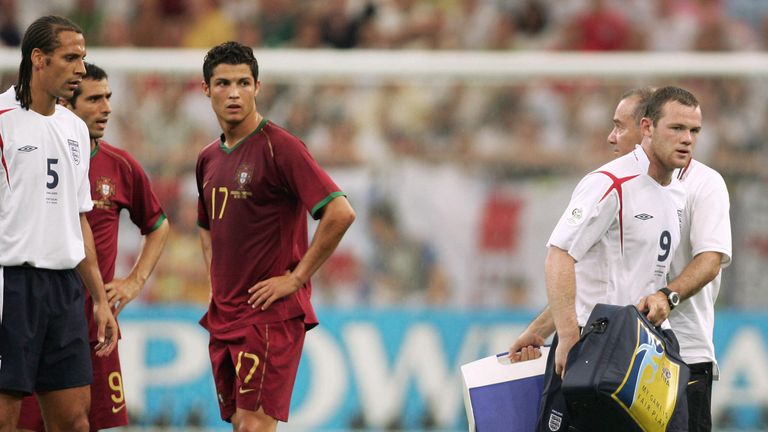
(706,228)
(43,186)
(622,228)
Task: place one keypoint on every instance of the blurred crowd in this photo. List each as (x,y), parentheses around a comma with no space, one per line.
(605,25)
(457,184)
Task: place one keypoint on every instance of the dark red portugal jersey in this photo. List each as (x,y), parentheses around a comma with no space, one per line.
(254,199)
(117,182)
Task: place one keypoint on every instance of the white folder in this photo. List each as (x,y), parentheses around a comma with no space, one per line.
(501,396)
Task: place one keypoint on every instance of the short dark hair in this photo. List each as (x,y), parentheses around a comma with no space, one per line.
(232,53)
(643,95)
(660,97)
(92,72)
(44,35)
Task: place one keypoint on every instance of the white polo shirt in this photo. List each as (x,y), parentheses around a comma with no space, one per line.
(706,228)
(622,228)
(43,186)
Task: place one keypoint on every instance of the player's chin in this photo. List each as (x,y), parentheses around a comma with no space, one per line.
(66,93)
(233,119)
(680,160)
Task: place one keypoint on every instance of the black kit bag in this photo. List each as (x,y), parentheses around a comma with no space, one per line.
(624,374)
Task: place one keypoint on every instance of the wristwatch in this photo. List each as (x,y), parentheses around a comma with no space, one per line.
(672,297)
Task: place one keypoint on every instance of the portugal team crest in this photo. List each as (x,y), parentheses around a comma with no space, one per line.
(74,150)
(243,176)
(105,187)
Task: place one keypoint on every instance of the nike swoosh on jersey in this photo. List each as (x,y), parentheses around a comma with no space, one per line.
(692,382)
(243,391)
(116,409)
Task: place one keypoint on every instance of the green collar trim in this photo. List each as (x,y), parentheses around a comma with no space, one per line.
(229,150)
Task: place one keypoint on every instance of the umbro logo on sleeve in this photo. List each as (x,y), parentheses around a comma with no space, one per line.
(27,148)
(643,216)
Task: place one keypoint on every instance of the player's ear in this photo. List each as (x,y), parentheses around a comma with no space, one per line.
(206,89)
(646,126)
(38,58)
(257,87)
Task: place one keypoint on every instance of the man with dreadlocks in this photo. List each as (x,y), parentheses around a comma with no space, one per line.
(45,239)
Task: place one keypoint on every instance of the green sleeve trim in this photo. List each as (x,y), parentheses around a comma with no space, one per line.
(159,222)
(327,199)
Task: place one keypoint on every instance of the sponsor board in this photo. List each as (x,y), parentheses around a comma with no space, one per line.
(384,366)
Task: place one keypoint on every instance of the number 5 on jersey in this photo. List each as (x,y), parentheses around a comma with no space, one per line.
(52,174)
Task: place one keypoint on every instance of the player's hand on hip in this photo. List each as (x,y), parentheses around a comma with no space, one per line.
(655,307)
(266,292)
(106,333)
(526,347)
(120,292)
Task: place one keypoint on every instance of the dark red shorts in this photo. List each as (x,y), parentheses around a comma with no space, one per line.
(107,397)
(256,366)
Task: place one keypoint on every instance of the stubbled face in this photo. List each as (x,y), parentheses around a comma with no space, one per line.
(626,132)
(233,93)
(93,106)
(675,134)
(62,70)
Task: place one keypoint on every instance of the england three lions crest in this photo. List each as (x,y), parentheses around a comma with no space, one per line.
(74,150)
(555,421)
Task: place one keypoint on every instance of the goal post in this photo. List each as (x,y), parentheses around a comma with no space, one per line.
(475,66)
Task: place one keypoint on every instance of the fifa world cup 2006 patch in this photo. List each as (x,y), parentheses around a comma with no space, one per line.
(576,217)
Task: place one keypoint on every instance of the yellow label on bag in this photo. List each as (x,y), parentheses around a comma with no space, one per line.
(649,390)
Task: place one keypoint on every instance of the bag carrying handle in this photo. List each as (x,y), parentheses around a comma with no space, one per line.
(601,324)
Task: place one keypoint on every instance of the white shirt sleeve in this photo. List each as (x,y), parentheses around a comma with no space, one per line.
(589,215)
(84,200)
(710,218)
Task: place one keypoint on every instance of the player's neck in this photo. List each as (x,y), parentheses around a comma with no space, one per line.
(656,169)
(42,102)
(662,175)
(234,133)
(94,143)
